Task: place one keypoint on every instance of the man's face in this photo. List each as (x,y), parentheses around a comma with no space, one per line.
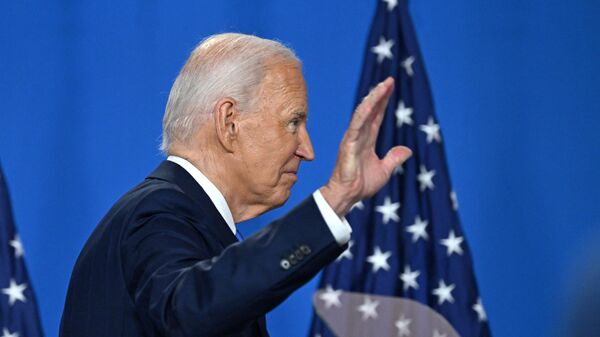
(273,138)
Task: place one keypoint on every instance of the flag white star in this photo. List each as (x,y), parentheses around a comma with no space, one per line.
(452,243)
(331,297)
(418,229)
(379,259)
(368,309)
(444,292)
(403,115)
(398,170)
(478,307)
(454,200)
(438,334)
(425,178)
(409,278)
(391,4)
(347,253)
(17,245)
(15,292)
(388,210)
(407,65)
(383,49)
(6,333)
(402,324)
(358,205)
(432,130)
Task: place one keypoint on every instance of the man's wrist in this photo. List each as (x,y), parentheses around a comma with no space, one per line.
(339,201)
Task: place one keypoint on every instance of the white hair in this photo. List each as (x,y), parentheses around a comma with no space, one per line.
(224,65)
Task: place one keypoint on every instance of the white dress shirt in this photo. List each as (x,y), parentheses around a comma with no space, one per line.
(339,227)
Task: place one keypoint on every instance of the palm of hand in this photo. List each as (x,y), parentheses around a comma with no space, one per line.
(359,173)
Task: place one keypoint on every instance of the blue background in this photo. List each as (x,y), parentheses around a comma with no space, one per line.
(83,87)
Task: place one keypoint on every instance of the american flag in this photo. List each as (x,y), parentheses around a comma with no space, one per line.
(408,269)
(18,309)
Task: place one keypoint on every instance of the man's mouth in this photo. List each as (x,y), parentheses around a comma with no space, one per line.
(292,174)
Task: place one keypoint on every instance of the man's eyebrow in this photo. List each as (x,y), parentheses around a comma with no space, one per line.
(300,114)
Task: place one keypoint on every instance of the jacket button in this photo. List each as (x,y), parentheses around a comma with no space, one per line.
(305,249)
(292,259)
(285,264)
(299,254)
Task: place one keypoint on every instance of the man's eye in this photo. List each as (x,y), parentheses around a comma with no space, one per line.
(294,122)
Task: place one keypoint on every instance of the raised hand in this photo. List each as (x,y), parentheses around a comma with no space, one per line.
(358,172)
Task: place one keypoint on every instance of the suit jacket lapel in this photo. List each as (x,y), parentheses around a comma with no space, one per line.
(173,173)
(177,175)
(262,326)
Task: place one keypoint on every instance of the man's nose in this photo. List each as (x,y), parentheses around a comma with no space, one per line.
(305,148)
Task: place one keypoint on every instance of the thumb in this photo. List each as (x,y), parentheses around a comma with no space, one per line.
(395,156)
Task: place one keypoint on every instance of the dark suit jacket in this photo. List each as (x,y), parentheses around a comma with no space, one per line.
(163,262)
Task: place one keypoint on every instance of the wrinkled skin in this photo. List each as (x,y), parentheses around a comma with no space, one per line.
(253,156)
(273,140)
(359,173)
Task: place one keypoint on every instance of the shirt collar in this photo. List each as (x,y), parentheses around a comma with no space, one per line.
(213,192)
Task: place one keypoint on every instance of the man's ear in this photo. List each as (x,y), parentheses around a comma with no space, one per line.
(226,122)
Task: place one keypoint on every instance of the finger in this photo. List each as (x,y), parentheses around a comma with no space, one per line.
(379,114)
(382,102)
(395,156)
(366,108)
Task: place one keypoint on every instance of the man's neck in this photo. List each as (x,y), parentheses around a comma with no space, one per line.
(216,169)
(217,198)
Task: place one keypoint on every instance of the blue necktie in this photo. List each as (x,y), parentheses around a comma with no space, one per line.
(239,235)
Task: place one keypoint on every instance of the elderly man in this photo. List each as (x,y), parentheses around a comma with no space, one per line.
(167,259)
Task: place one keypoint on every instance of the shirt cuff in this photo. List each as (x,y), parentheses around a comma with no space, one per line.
(339,227)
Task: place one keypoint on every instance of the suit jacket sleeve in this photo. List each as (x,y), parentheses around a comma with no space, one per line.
(180,290)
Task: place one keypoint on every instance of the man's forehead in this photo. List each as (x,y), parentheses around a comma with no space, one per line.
(284,73)
(285,82)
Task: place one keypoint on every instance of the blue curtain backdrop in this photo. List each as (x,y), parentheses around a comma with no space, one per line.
(83,86)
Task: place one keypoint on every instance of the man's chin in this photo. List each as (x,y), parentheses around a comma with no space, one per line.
(280,199)
(275,200)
